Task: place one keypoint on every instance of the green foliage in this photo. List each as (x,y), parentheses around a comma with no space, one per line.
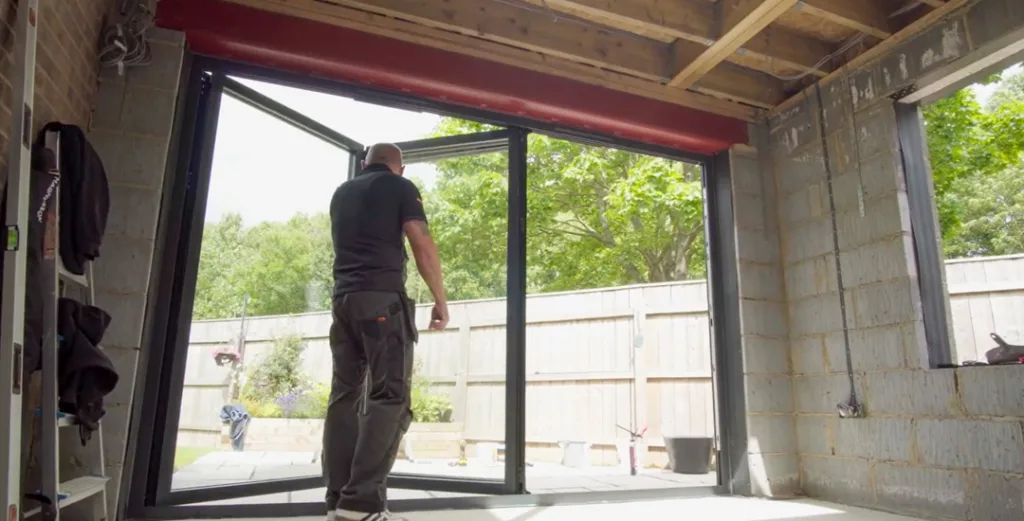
(427,405)
(976,162)
(278,389)
(285,268)
(277,374)
(993,215)
(598,217)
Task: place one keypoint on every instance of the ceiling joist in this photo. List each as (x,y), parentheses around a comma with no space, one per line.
(729,57)
(774,50)
(741,22)
(865,16)
(315,10)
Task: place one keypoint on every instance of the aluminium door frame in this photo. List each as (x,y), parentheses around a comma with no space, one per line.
(213,86)
(728,377)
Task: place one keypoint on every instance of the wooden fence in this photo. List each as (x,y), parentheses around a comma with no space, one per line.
(636,355)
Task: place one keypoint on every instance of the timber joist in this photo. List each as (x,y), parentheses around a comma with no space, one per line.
(736,58)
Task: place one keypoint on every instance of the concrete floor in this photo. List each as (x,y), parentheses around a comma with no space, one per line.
(695,509)
(220,468)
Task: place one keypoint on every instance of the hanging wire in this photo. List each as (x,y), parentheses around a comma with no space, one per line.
(910,6)
(846,47)
(123,44)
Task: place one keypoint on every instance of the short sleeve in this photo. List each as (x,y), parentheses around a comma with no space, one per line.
(410,205)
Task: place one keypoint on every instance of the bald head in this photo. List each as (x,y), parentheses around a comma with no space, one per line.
(385,154)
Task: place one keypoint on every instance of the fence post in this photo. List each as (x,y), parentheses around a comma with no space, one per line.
(459,396)
(639,357)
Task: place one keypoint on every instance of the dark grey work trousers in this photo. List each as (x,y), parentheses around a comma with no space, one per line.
(372,339)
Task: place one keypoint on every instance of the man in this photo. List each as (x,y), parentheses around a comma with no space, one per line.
(374,331)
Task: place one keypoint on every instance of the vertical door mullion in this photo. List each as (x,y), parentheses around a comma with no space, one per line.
(515,343)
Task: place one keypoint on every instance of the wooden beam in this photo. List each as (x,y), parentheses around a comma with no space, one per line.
(742,21)
(771,50)
(729,81)
(316,10)
(504,23)
(864,16)
(537,32)
(908,32)
(933,3)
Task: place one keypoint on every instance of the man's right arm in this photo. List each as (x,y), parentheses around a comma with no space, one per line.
(428,260)
(414,224)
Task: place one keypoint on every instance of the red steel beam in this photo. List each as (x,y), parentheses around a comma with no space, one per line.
(239,33)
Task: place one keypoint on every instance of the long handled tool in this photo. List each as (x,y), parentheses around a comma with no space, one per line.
(634,437)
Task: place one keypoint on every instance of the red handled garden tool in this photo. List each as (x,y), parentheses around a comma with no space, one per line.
(634,437)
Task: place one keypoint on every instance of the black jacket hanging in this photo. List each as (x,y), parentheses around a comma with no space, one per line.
(85,374)
(84,197)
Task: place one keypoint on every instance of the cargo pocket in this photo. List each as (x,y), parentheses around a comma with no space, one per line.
(385,336)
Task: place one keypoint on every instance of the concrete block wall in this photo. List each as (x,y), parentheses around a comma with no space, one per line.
(944,444)
(131,130)
(772,457)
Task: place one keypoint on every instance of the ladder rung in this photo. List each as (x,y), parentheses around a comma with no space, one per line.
(63,419)
(81,280)
(75,490)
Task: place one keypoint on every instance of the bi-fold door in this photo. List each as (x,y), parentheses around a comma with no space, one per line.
(187,452)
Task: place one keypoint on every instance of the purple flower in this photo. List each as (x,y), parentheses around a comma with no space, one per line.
(290,402)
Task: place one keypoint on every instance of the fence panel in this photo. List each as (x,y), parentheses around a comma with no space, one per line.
(631,356)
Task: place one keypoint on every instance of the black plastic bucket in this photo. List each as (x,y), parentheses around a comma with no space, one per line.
(687,455)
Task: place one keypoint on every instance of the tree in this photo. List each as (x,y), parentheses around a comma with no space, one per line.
(968,144)
(993,210)
(597,217)
(222,263)
(284,267)
(984,196)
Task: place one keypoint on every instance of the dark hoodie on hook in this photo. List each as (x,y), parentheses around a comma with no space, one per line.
(85,374)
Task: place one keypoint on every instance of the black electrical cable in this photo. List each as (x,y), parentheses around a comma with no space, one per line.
(852,407)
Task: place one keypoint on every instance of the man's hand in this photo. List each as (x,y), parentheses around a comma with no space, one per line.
(439,316)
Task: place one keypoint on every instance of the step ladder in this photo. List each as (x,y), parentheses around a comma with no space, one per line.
(58,278)
(12,321)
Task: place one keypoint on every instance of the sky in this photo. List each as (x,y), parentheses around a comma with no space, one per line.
(266,170)
(983,92)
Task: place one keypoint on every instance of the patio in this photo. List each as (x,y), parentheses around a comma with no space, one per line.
(226,467)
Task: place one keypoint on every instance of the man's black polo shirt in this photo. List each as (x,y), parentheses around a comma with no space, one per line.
(367,214)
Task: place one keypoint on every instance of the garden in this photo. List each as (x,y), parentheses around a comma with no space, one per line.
(276,387)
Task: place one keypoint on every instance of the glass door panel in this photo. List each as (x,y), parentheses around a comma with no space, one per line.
(249,384)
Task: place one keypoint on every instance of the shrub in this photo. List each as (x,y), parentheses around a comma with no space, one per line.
(278,374)
(277,389)
(427,406)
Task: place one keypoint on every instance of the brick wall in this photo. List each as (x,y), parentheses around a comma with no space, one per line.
(67,67)
(945,444)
